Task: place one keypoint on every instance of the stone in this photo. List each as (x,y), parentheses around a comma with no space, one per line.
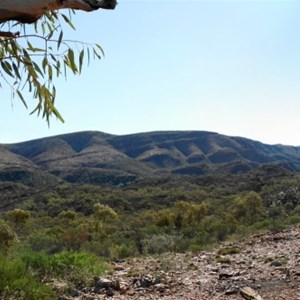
(109,292)
(276,263)
(102,285)
(143,282)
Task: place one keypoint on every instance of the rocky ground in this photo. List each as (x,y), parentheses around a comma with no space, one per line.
(267,263)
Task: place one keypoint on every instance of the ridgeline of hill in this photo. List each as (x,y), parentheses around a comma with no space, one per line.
(98,158)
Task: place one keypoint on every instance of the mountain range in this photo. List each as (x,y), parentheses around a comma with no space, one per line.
(99,158)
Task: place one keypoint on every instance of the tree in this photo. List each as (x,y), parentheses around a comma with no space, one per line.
(19,219)
(248,208)
(103,214)
(32,56)
(7,236)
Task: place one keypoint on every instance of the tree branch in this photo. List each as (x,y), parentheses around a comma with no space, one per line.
(28,11)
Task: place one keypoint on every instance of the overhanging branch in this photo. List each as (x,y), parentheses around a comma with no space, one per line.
(28,11)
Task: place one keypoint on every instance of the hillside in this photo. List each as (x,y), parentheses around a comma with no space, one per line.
(267,263)
(100,158)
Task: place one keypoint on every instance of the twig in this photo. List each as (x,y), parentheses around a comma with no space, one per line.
(9,34)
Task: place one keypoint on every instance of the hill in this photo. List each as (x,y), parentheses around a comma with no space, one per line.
(100,158)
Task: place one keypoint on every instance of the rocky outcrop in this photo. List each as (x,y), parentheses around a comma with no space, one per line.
(264,267)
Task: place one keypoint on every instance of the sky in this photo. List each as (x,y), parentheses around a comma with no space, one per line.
(231,67)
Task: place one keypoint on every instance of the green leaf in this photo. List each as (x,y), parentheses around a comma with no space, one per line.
(7,68)
(81,56)
(16,70)
(89,56)
(68,21)
(37,68)
(38,50)
(71,58)
(59,39)
(51,33)
(44,63)
(100,48)
(57,67)
(22,98)
(58,115)
(30,47)
(50,73)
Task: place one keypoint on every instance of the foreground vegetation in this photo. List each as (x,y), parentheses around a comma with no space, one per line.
(67,233)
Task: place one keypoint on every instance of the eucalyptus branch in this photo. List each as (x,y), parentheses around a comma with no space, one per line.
(23,64)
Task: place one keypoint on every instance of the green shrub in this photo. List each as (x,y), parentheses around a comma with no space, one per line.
(223,260)
(38,262)
(193,247)
(277,226)
(99,248)
(67,214)
(292,220)
(120,251)
(161,243)
(228,251)
(66,261)
(18,216)
(17,282)
(75,267)
(7,236)
(264,224)
(44,241)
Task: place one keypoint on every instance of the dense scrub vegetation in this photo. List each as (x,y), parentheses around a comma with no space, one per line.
(69,231)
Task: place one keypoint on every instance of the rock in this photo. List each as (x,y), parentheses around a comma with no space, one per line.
(109,292)
(124,287)
(75,293)
(231,291)
(276,263)
(143,282)
(131,293)
(297,273)
(118,268)
(98,290)
(102,285)
(161,287)
(224,275)
(249,294)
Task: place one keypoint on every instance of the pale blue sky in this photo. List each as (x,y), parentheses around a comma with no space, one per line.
(231,67)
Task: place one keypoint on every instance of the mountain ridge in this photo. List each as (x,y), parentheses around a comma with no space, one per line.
(99,158)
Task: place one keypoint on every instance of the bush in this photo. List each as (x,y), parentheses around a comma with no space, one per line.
(293,220)
(194,247)
(223,260)
(228,251)
(16,282)
(120,251)
(161,243)
(45,242)
(264,224)
(7,236)
(75,267)
(18,216)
